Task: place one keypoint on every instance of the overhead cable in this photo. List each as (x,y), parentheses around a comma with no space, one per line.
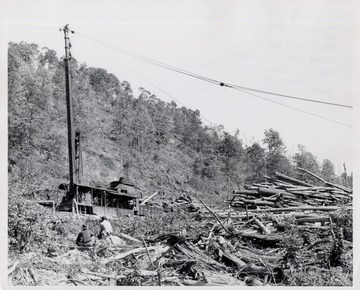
(213,81)
(210,80)
(151,83)
(291,107)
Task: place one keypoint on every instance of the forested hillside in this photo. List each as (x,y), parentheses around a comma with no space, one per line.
(157,145)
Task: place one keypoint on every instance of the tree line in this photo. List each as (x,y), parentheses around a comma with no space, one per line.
(155,144)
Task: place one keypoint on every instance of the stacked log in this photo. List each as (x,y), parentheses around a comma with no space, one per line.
(285,191)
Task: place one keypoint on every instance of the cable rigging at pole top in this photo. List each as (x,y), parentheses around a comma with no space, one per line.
(243,89)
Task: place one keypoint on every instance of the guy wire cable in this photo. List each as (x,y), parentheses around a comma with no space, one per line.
(134,72)
(151,61)
(288,96)
(239,88)
(173,68)
(291,107)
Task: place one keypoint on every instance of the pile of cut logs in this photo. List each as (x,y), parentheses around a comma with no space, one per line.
(287,192)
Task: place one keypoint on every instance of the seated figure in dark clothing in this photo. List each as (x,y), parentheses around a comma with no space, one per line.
(85,238)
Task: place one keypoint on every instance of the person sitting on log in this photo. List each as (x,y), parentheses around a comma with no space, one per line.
(105,228)
(85,238)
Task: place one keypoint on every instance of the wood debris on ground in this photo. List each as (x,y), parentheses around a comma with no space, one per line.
(270,229)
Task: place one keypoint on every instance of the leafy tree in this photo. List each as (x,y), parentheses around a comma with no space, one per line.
(308,161)
(141,125)
(275,153)
(104,82)
(328,170)
(231,151)
(255,163)
(49,58)
(162,121)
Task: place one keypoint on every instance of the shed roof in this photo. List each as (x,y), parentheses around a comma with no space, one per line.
(64,186)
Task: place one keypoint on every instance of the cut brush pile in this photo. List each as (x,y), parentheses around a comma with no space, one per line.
(280,232)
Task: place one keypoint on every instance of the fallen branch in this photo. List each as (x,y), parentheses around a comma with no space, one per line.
(87,277)
(197,255)
(103,275)
(145,273)
(326,182)
(312,220)
(249,256)
(209,236)
(214,214)
(175,280)
(25,277)
(150,197)
(300,208)
(147,252)
(129,238)
(283,176)
(74,281)
(265,230)
(269,241)
(246,192)
(32,274)
(138,250)
(13,267)
(228,257)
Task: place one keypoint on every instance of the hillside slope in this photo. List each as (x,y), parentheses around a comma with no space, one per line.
(155,144)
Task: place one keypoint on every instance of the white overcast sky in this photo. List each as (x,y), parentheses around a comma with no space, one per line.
(299,48)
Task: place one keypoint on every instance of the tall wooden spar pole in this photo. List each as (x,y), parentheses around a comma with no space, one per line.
(69,106)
